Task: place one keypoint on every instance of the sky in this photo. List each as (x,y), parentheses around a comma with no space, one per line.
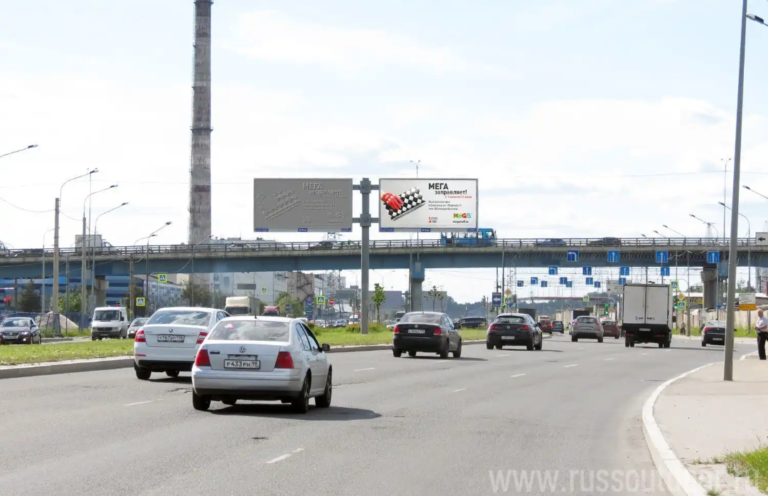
(579,119)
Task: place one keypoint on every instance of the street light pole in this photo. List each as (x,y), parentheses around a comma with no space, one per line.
(83,293)
(732,254)
(749,258)
(42,281)
(18,151)
(146,260)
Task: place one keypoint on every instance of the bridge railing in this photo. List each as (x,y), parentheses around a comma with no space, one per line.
(262,246)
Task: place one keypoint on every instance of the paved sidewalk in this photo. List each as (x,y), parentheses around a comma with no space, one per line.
(703,417)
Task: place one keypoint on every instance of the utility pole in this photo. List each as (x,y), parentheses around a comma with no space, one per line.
(66,290)
(131,295)
(55,290)
(84,310)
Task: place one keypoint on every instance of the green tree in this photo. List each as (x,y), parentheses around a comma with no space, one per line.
(74,304)
(434,295)
(297,307)
(379,297)
(29,301)
(202,295)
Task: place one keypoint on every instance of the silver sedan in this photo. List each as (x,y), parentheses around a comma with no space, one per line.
(587,327)
(262,358)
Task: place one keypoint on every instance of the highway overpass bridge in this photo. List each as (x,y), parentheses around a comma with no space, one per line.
(318,256)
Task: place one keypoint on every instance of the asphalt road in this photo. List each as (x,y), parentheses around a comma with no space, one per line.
(397,426)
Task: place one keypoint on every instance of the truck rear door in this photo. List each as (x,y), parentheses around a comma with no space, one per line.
(634,304)
(657,302)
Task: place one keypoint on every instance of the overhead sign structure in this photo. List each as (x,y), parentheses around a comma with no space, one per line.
(572,255)
(597,284)
(141,301)
(662,257)
(590,281)
(534,281)
(747,301)
(586,271)
(614,256)
(665,271)
(427,205)
(553,270)
(713,257)
(496,300)
(162,278)
(563,280)
(302,205)
(622,281)
(624,271)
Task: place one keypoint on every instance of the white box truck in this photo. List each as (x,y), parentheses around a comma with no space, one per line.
(647,314)
(242,305)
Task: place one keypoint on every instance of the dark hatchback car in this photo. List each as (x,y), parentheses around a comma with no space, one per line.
(713,333)
(514,329)
(605,242)
(551,242)
(426,332)
(611,328)
(473,322)
(557,326)
(20,330)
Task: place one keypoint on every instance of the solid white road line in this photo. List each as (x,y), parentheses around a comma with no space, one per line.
(501,356)
(278,459)
(517,375)
(363,370)
(744,357)
(139,403)
(572,365)
(609,359)
(459,390)
(298,450)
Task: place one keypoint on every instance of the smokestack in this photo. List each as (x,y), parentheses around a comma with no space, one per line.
(200,184)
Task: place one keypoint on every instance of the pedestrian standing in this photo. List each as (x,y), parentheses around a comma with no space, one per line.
(762,333)
(682,329)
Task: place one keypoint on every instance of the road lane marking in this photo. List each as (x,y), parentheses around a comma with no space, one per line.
(298,450)
(579,348)
(501,356)
(572,365)
(643,354)
(439,361)
(609,359)
(139,403)
(517,375)
(363,370)
(459,390)
(278,459)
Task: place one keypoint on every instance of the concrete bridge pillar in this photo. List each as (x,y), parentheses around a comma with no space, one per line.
(417,296)
(100,286)
(709,280)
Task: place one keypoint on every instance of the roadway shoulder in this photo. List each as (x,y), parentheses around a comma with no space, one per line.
(65,367)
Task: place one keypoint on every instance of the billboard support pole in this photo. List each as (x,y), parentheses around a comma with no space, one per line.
(365,187)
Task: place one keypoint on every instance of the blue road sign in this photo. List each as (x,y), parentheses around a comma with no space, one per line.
(520,284)
(310,315)
(586,271)
(662,257)
(569,284)
(553,270)
(624,271)
(713,257)
(544,284)
(534,281)
(721,306)
(613,256)
(572,255)
(664,271)
(597,284)
(563,280)
(622,281)
(287,307)
(590,281)
(496,300)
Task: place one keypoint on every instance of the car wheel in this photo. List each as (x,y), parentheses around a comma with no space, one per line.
(444,352)
(200,403)
(457,353)
(661,345)
(93,338)
(301,404)
(667,344)
(631,344)
(498,346)
(539,346)
(574,339)
(600,339)
(626,343)
(172,373)
(488,346)
(617,337)
(324,401)
(397,353)
(529,346)
(703,344)
(411,354)
(230,402)
(142,373)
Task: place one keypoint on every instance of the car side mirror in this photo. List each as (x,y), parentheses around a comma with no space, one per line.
(326,348)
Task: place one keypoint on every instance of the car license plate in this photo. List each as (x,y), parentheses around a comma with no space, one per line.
(167,338)
(242,364)
(416,331)
(511,338)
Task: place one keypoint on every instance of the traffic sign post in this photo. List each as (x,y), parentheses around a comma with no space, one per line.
(564,280)
(553,270)
(496,300)
(622,281)
(572,255)
(665,271)
(662,257)
(614,256)
(586,271)
(590,281)
(597,284)
(534,281)
(544,284)
(520,284)
(141,301)
(713,257)
(162,278)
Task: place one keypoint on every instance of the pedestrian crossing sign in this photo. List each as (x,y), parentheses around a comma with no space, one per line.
(674,285)
(162,278)
(141,301)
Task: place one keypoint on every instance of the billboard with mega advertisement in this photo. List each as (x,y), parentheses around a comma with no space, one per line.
(428,205)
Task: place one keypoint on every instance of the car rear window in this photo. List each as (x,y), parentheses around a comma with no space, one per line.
(180,317)
(473,319)
(251,330)
(511,319)
(586,320)
(16,323)
(421,318)
(609,323)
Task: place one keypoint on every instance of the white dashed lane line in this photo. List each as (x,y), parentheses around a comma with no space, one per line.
(572,365)
(501,356)
(284,457)
(363,370)
(517,375)
(609,359)
(459,390)
(139,403)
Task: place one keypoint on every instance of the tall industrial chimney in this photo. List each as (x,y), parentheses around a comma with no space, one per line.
(200,184)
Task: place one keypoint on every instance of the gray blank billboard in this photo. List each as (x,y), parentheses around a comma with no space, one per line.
(302,205)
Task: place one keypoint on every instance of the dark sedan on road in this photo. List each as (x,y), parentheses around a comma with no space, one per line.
(610,328)
(473,322)
(514,329)
(713,333)
(554,242)
(427,332)
(605,242)
(20,330)
(557,326)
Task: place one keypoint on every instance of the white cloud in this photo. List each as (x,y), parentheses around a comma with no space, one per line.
(275,37)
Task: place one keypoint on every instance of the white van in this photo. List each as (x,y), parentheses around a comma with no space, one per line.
(109,322)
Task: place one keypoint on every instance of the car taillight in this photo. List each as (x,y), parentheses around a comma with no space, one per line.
(705,330)
(140,338)
(524,328)
(202,359)
(284,360)
(493,327)
(437,332)
(396,330)
(201,337)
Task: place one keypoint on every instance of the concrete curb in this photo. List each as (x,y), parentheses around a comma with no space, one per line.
(677,478)
(68,367)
